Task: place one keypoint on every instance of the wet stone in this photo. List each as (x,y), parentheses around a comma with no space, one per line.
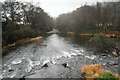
(23,78)
(11,70)
(45,65)
(17,61)
(65,65)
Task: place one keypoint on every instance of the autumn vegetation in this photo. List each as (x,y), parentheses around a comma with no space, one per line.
(90,19)
(101,43)
(19,42)
(100,21)
(95,71)
(23,20)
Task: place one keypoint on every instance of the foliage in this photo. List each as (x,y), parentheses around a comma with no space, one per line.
(89,71)
(107,76)
(23,32)
(90,18)
(94,71)
(11,26)
(101,43)
(23,20)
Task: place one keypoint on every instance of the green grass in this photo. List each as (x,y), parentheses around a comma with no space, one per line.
(107,76)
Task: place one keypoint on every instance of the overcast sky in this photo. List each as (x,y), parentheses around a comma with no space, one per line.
(56,7)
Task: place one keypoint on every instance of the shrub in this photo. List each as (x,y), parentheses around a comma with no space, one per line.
(11,26)
(26,31)
(95,71)
(8,37)
(101,43)
(107,76)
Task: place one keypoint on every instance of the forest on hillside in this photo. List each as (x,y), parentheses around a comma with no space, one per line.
(91,18)
(23,20)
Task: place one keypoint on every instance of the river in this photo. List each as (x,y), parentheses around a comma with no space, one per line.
(45,58)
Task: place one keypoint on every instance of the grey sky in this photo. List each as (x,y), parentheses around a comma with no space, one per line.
(57,7)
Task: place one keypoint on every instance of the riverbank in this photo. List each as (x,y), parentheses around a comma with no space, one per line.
(110,35)
(109,46)
(19,42)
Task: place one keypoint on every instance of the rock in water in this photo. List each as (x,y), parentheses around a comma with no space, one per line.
(11,70)
(23,78)
(45,65)
(65,65)
(17,61)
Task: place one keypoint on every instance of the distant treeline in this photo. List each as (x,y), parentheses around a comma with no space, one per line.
(91,18)
(23,20)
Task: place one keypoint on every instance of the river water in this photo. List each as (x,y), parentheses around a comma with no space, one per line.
(54,50)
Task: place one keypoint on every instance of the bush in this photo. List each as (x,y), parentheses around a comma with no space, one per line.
(16,32)
(96,71)
(37,32)
(101,43)
(107,76)
(8,37)
(11,26)
(26,31)
(12,35)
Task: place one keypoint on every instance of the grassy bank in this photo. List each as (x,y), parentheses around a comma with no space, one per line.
(101,42)
(111,35)
(19,42)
